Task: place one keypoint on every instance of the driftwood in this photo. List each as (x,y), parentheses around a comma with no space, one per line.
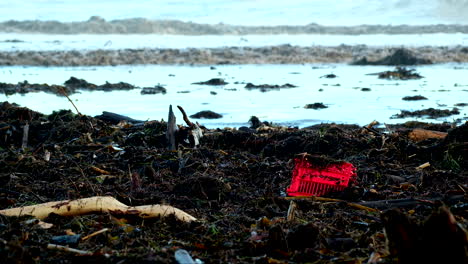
(97,204)
(195,131)
(70,250)
(24,143)
(419,134)
(188,136)
(171,132)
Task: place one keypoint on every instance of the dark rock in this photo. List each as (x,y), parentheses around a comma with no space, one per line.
(315,106)
(414,98)
(213,93)
(154,90)
(206,114)
(214,81)
(399,57)
(365,89)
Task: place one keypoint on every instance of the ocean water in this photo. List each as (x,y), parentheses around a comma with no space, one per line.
(442,21)
(444,85)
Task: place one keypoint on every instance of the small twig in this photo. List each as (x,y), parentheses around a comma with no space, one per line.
(95,233)
(324,199)
(62,91)
(185,117)
(69,249)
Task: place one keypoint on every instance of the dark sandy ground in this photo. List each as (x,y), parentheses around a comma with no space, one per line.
(398,210)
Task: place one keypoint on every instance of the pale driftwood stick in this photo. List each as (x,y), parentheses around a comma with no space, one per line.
(68,249)
(24,143)
(171,130)
(95,234)
(97,204)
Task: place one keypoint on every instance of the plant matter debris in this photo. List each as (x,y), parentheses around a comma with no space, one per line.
(154,90)
(214,81)
(315,106)
(234,182)
(400,73)
(268,87)
(400,57)
(429,112)
(414,98)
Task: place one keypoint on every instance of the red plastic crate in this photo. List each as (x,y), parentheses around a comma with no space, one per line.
(310,179)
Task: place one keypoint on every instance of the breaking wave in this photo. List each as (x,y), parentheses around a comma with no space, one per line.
(98,25)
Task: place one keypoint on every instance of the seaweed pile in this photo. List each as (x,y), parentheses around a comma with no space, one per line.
(234,182)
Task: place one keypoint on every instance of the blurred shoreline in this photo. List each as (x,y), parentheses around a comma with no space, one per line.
(98,25)
(282,54)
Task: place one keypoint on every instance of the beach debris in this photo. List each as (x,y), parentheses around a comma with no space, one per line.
(268,87)
(419,134)
(194,130)
(69,240)
(153,90)
(114,118)
(429,112)
(400,73)
(97,204)
(423,166)
(207,114)
(414,98)
(171,131)
(69,249)
(329,76)
(315,106)
(397,58)
(182,135)
(24,143)
(214,81)
(75,83)
(317,175)
(183,257)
